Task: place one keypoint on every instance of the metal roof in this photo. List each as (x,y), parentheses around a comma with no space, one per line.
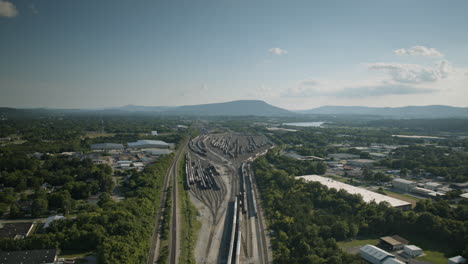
(367,195)
(392,261)
(391,241)
(412,247)
(403,181)
(458,259)
(375,252)
(147,142)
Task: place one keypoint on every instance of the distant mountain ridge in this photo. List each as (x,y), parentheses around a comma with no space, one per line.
(258,108)
(233,108)
(429,111)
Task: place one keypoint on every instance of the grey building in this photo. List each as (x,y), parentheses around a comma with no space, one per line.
(42,256)
(148,144)
(403,185)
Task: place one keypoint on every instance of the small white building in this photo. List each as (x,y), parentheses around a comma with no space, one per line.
(457,260)
(413,250)
(154,133)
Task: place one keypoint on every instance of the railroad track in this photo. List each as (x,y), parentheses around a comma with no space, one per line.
(155,239)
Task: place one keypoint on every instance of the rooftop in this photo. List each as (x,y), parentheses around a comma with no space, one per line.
(147,142)
(375,252)
(458,259)
(28,256)
(367,195)
(392,261)
(13,230)
(390,240)
(413,247)
(400,180)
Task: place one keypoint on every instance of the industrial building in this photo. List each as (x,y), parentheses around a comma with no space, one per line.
(393,242)
(15,230)
(376,255)
(412,250)
(457,260)
(42,256)
(107,146)
(426,192)
(157,152)
(361,162)
(367,196)
(432,186)
(403,185)
(148,144)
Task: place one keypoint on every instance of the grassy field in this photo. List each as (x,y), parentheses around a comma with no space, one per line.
(434,257)
(407,198)
(189,224)
(435,252)
(357,242)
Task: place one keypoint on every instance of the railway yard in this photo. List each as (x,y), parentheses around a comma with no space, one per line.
(222,187)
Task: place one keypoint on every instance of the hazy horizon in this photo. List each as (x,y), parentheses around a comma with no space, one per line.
(295,55)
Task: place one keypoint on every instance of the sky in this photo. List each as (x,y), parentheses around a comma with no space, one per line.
(292,54)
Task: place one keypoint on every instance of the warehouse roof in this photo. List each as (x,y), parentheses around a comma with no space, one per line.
(412,247)
(458,259)
(375,252)
(392,261)
(28,256)
(147,142)
(400,180)
(14,230)
(367,195)
(391,241)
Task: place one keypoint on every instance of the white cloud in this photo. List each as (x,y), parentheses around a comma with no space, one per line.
(419,51)
(354,89)
(278,51)
(413,73)
(7,9)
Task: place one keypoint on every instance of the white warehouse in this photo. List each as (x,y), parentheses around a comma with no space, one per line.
(376,255)
(148,144)
(367,196)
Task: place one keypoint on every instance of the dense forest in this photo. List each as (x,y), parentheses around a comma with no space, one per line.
(38,180)
(307,219)
(438,161)
(56,182)
(119,232)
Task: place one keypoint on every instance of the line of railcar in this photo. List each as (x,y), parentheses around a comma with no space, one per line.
(200,174)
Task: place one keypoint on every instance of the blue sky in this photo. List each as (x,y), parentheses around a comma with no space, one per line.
(293,54)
